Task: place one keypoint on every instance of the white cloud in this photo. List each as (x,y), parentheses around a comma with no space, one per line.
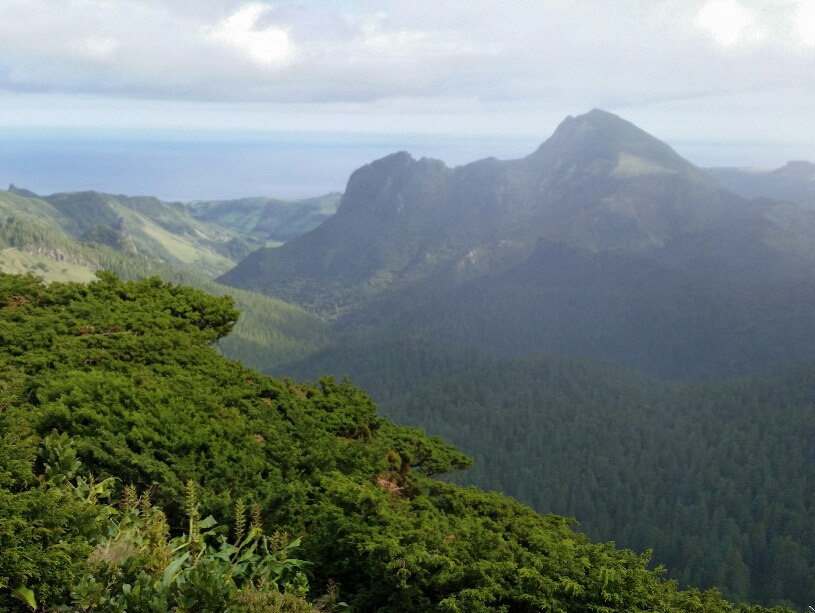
(94,47)
(728,22)
(805,22)
(269,46)
(511,60)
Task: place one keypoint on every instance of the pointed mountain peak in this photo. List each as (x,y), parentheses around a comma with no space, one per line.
(599,136)
(602,125)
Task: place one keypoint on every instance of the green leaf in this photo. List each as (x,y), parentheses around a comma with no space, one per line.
(207,522)
(172,568)
(26,595)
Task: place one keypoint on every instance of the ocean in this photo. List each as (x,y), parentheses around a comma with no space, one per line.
(184,166)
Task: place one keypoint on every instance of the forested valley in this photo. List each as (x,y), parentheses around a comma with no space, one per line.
(715,477)
(603,331)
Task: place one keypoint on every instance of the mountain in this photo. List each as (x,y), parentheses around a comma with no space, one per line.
(602,243)
(267,219)
(598,184)
(147,225)
(794,182)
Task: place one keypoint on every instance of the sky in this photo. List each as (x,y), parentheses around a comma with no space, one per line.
(725,82)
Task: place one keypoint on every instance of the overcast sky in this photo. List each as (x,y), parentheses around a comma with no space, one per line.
(720,74)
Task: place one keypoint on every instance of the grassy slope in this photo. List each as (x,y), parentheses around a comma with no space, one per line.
(15,262)
(267,219)
(157,229)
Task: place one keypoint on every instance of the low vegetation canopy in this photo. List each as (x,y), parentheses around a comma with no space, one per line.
(123,376)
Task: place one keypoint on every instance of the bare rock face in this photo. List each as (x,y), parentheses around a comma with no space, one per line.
(59,256)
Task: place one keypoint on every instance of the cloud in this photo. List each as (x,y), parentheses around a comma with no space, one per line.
(94,47)
(805,23)
(510,56)
(407,44)
(268,46)
(728,22)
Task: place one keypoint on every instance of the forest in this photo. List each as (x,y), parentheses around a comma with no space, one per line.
(129,446)
(716,477)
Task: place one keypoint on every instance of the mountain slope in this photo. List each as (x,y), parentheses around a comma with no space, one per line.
(127,371)
(158,229)
(699,321)
(794,182)
(267,219)
(599,184)
(268,334)
(602,243)
(715,477)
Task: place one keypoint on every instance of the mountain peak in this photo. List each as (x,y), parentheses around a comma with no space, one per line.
(598,136)
(598,184)
(386,185)
(798,168)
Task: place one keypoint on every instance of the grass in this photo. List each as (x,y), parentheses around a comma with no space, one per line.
(15,262)
(631,166)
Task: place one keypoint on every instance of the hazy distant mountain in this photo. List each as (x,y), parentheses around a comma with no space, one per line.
(599,184)
(603,242)
(267,219)
(794,182)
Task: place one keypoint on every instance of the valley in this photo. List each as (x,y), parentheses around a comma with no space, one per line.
(609,332)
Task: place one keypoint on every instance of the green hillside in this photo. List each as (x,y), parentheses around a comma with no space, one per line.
(127,371)
(16,262)
(159,230)
(269,333)
(267,219)
(715,477)
(732,309)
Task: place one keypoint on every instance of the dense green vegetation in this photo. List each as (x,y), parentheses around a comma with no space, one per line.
(267,219)
(716,477)
(693,322)
(269,333)
(61,540)
(127,371)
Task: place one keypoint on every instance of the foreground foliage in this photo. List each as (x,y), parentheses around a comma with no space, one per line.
(126,370)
